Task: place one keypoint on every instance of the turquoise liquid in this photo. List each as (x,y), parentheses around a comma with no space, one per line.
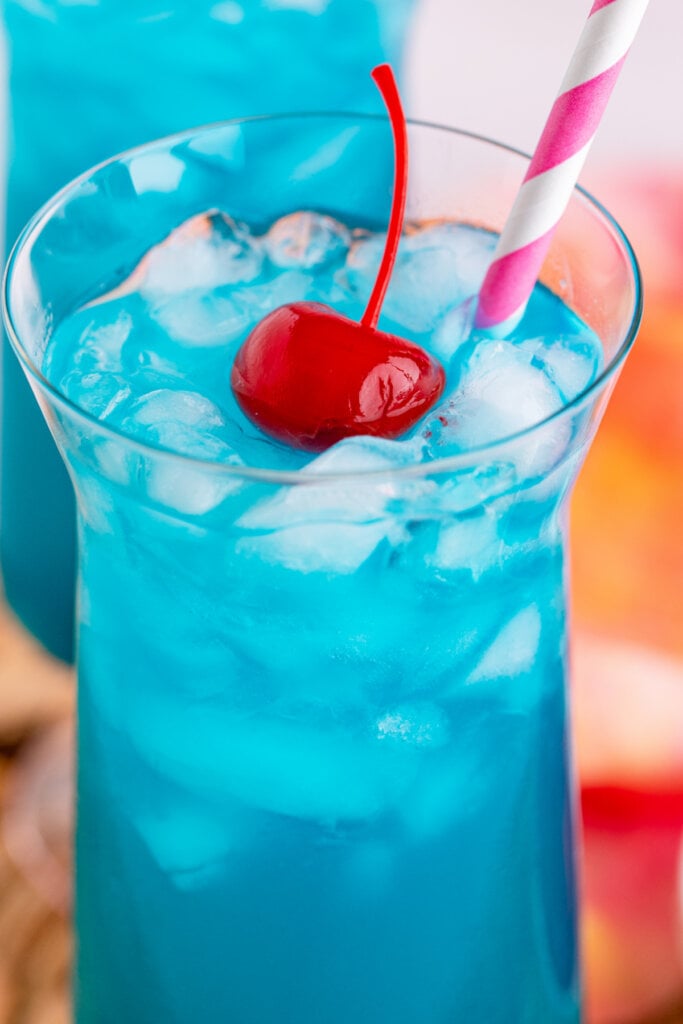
(88,80)
(323,767)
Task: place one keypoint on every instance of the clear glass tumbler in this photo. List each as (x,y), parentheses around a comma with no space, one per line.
(88,79)
(323,760)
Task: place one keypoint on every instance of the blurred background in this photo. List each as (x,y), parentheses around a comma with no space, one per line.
(494,67)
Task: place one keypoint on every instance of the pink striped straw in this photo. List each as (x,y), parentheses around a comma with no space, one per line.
(557,162)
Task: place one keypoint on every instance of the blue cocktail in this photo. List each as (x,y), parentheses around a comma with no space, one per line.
(323,765)
(91,79)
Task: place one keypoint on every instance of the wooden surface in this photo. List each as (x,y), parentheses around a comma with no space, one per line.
(35,940)
(35,950)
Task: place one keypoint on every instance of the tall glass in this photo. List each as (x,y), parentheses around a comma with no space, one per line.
(88,79)
(324,771)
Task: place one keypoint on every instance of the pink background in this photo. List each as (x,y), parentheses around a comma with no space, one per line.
(495,66)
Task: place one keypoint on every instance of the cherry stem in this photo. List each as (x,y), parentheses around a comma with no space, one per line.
(384,79)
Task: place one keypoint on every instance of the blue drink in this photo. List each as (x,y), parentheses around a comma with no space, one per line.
(91,79)
(323,766)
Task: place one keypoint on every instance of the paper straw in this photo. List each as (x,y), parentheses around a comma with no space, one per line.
(557,162)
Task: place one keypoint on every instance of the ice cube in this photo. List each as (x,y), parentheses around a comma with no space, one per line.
(190,844)
(114,459)
(473,248)
(330,776)
(452,331)
(228,11)
(337,486)
(571,363)
(335,525)
(514,650)
(206,252)
(156,172)
(187,423)
(203,319)
(366,454)
(307,240)
(99,394)
(461,491)
(96,506)
(260,299)
(192,490)
(438,268)
(284,766)
(424,289)
(500,393)
(470,545)
(461,781)
(182,421)
(99,348)
(339,548)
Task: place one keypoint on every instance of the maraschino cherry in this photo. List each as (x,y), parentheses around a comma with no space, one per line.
(309,376)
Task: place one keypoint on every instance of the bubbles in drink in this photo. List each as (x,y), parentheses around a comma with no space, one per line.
(421,724)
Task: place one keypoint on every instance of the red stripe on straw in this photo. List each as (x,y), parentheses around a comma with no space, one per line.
(573,121)
(505,292)
(599,4)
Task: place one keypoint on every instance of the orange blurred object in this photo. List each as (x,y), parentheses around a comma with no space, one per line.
(629,500)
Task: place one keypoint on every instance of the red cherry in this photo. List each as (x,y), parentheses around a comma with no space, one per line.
(309,376)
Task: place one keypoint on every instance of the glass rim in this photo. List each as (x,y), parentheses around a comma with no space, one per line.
(449,464)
